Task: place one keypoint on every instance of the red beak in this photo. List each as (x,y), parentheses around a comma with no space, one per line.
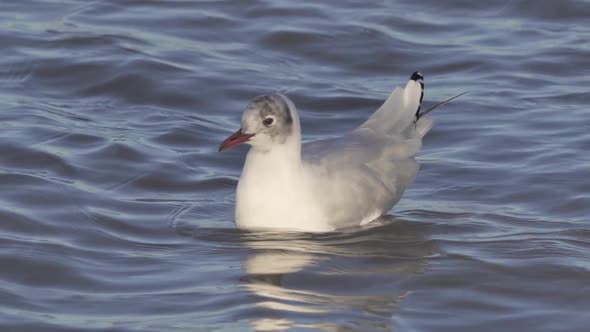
(236,138)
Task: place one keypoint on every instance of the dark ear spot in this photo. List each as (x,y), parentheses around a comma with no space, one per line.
(289,118)
(284,110)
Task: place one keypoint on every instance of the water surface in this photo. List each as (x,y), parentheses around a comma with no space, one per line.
(116,210)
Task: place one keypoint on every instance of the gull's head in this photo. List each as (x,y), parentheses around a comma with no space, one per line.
(268,121)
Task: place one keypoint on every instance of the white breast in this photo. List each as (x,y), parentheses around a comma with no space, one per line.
(276,192)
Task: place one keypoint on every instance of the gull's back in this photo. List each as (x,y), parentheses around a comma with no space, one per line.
(363,174)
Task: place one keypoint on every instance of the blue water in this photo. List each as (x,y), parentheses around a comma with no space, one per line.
(116,210)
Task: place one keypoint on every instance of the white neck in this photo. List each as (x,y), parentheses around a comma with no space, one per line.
(275,166)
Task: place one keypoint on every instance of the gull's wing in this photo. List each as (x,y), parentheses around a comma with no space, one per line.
(391,133)
(364,173)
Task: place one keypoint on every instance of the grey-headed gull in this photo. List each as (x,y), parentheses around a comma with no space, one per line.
(327,184)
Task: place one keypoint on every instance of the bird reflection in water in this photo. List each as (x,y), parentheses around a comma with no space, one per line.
(347,280)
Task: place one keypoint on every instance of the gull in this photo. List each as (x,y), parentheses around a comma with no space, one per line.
(328,184)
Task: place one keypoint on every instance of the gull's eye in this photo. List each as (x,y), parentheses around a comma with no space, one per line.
(268,121)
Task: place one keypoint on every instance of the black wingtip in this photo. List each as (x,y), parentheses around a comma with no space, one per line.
(417,76)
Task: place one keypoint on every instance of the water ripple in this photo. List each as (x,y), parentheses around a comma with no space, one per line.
(117,209)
